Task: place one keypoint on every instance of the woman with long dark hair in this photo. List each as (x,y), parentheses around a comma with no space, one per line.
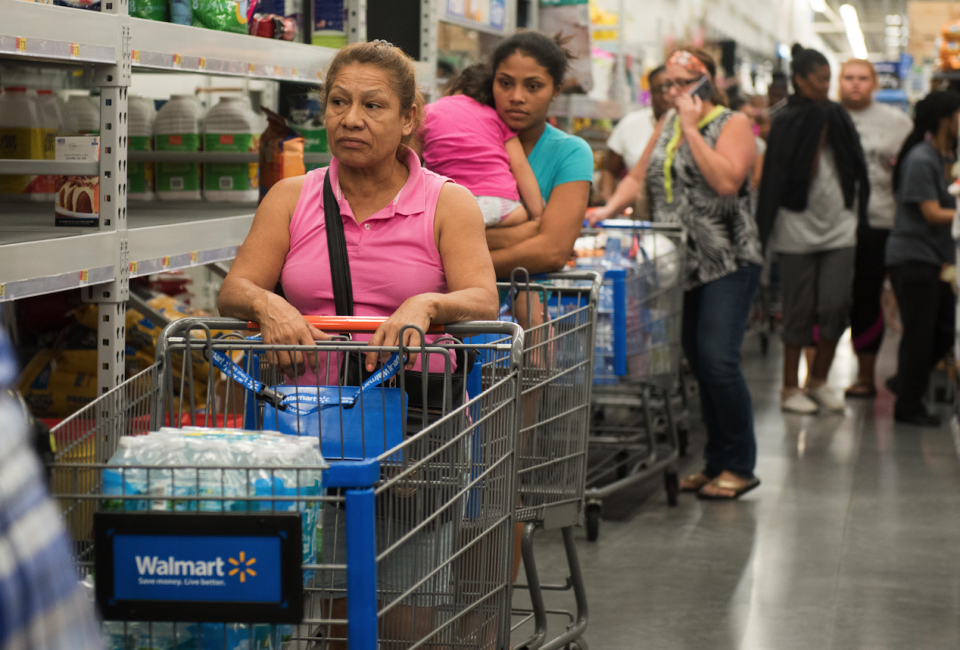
(919,246)
(813,194)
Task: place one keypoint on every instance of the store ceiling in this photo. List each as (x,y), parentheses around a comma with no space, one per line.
(872,14)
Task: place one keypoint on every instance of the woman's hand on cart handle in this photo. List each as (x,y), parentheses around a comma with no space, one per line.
(598,214)
(348,324)
(418,310)
(281,324)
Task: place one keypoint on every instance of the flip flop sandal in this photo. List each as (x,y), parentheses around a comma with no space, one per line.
(861,391)
(737,487)
(697,482)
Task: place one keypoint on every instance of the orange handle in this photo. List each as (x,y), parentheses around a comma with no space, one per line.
(348,324)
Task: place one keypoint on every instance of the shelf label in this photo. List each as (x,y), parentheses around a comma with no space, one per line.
(276,70)
(176,60)
(203,63)
(133,267)
(21,44)
(250,68)
(74,50)
(193,257)
(294,72)
(3,291)
(135,54)
(319,75)
(84,277)
(166,262)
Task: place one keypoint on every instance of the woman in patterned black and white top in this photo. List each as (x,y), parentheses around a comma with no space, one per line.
(696,168)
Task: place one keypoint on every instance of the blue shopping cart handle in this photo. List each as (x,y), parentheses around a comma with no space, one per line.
(623,224)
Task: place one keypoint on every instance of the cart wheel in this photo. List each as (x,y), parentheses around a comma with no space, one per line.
(622,470)
(764,344)
(683,441)
(593,522)
(671,481)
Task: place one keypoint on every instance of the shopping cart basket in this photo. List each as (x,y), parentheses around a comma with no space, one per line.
(558,312)
(635,431)
(412,545)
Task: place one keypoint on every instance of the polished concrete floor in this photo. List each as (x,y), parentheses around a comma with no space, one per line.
(852,541)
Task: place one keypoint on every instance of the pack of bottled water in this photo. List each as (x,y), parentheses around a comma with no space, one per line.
(192,636)
(219,470)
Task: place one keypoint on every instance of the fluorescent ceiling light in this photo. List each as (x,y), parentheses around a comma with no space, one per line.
(851,24)
(820,6)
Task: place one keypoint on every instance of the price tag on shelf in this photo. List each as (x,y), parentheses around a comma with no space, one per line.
(250,68)
(21,44)
(84,277)
(133,267)
(193,257)
(177,60)
(166,262)
(294,72)
(319,75)
(135,55)
(3,291)
(74,50)
(276,70)
(203,63)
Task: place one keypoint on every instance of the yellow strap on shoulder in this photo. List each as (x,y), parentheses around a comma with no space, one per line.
(675,143)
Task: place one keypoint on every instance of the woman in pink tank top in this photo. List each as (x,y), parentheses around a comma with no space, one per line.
(414,239)
(417,254)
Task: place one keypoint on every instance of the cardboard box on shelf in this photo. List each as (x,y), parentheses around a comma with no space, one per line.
(78,197)
(927,20)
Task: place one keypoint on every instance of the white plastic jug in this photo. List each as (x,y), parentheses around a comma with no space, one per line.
(23,136)
(141,176)
(177,128)
(231,126)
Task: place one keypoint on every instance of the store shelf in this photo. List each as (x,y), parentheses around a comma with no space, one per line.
(181,48)
(215,157)
(41,32)
(165,236)
(38,258)
(49,167)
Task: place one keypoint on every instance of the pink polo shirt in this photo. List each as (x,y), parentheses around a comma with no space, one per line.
(393,253)
(464,140)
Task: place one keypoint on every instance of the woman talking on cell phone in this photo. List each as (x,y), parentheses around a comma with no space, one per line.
(696,167)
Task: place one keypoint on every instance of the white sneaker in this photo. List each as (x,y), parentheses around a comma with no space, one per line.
(798,402)
(828,399)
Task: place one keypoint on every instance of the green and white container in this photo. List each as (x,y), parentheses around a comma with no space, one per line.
(141,176)
(177,128)
(231,126)
(81,116)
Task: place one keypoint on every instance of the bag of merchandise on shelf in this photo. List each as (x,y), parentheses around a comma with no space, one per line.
(58,383)
(150,9)
(93,5)
(281,152)
(221,15)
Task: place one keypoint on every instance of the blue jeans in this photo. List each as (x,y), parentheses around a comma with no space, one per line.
(714,321)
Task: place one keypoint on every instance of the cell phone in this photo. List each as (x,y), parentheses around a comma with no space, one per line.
(702,89)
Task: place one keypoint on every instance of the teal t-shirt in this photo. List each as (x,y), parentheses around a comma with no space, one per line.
(560,158)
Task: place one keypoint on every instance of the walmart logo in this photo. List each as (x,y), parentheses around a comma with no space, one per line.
(242,566)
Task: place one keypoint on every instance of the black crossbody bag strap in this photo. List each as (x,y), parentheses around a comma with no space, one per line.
(337,249)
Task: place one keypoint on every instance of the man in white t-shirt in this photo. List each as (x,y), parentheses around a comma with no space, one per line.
(630,137)
(882,131)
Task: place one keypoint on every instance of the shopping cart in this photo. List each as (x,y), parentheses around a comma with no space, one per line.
(412,542)
(558,312)
(635,428)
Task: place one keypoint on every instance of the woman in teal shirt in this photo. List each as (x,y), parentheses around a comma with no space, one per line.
(528,75)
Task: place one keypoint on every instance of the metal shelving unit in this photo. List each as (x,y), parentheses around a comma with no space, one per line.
(37,258)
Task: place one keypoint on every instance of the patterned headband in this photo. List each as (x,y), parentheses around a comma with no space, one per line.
(689,61)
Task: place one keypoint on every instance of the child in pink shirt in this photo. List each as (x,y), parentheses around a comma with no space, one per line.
(465,140)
